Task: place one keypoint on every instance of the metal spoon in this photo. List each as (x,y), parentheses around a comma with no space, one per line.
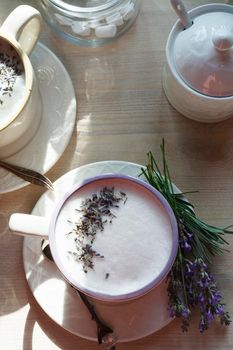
(28,175)
(182,13)
(104,333)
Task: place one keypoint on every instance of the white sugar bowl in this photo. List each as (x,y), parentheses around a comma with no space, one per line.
(198,74)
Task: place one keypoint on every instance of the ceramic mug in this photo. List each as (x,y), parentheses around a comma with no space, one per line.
(20,101)
(115,246)
(199,57)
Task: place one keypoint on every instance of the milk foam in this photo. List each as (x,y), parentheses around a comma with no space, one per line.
(136,246)
(10,67)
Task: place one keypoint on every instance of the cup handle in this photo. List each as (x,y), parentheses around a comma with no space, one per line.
(29,225)
(24,24)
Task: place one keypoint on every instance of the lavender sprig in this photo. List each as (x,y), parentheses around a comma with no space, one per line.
(190,283)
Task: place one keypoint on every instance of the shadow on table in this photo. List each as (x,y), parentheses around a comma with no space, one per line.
(209,142)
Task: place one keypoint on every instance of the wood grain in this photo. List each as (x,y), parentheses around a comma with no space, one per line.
(122,114)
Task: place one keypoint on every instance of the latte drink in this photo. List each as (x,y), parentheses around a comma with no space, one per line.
(127,251)
(12,82)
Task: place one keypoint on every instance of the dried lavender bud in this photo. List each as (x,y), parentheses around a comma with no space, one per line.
(95,214)
(10,68)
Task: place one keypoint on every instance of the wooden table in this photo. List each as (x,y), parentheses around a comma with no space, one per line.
(122,114)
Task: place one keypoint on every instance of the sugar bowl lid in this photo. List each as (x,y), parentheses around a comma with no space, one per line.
(202,49)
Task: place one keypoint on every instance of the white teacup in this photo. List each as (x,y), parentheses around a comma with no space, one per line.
(20,101)
(134,241)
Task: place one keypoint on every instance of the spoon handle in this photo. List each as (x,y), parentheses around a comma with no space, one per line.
(104,333)
(181,12)
(28,175)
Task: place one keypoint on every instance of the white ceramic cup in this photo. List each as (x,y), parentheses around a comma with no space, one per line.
(139,244)
(20,30)
(185,99)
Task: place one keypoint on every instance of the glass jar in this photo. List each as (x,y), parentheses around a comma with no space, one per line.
(90,22)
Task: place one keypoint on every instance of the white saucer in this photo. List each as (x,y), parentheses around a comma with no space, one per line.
(58,119)
(130,321)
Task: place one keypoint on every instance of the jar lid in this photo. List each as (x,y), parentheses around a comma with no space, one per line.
(84,5)
(203,53)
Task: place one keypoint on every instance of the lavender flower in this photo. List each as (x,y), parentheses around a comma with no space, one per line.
(190,283)
(178,304)
(186,238)
(197,289)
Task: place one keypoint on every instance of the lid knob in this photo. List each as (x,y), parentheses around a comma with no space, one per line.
(222,39)
(202,55)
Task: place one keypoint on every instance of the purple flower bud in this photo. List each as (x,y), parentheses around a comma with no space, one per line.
(188,270)
(215,298)
(202,325)
(185,246)
(185,312)
(209,316)
(189,236)
(172,312)
(201,298)
(219,310)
